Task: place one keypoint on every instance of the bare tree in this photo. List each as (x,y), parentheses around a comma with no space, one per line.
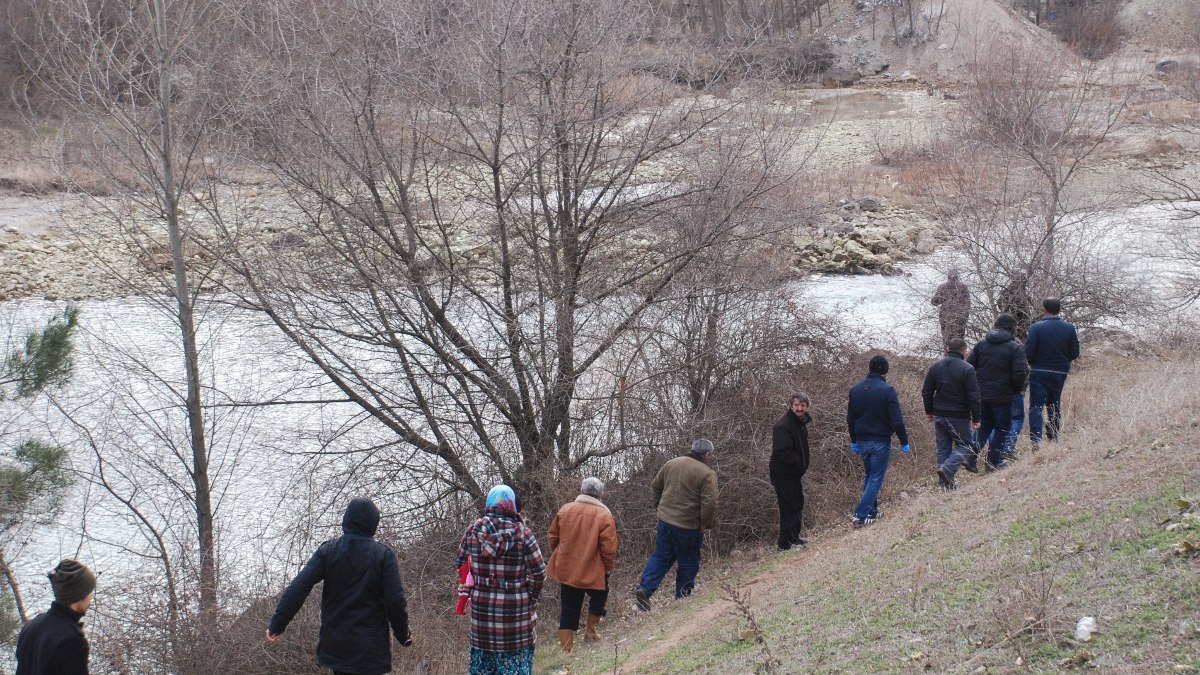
(1011,187)
(489,217)
(131,77)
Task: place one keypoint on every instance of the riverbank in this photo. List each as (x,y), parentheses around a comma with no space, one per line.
(991,578)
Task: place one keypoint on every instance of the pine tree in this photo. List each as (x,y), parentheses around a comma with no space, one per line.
(33,474)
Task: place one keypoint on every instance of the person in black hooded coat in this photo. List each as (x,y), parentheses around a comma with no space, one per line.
(361,598)
(1002,371)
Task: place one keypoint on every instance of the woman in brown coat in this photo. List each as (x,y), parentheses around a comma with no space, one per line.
(583,541)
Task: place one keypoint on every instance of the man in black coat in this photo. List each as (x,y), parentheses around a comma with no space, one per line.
(1002,371)
(951,397)
(54,643)
(789,461)
(362,596)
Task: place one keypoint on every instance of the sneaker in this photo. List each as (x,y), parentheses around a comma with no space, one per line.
(862,522)
(800,541)
(643,599)
(878,515)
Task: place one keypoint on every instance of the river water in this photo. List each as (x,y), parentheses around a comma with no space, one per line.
(264,467)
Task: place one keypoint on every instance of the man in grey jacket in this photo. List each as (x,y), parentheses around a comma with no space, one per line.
(685,497)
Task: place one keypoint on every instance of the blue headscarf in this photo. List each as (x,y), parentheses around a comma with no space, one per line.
(502,498)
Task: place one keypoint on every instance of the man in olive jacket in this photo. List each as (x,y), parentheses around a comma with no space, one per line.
(685,496)
(361,598)
(789,462)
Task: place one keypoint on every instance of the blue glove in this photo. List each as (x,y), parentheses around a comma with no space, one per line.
(856,448)
(905,448)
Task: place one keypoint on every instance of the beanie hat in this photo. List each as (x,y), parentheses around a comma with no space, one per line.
(879,364)
(71,581)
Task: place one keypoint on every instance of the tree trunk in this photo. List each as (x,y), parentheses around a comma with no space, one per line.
(191,354)
(12,585)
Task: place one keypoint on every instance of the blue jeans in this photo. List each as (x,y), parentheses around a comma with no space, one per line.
(1045,390)
(1018,423)
(993,429)
(875,456)
(953,436)
(673,544)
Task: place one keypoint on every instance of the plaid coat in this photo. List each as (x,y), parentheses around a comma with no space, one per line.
(509,572)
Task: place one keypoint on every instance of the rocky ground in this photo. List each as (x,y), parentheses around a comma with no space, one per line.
(890,96)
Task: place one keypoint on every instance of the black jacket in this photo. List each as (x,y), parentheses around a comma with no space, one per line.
(951,388)
(873,412)
(53,644)
(1052,345)
(361,597)
(789,446)
(1000,366)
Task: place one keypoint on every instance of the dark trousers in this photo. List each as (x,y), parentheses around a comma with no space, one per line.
(673,544)
(1045,390)
(572,604)
(789,492)
(993,429)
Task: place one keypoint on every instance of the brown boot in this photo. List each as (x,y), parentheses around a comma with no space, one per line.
(589,633)
(566,639)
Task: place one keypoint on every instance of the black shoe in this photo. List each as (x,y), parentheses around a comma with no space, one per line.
(643,599)
(800,541)
(947,483)
(971,467)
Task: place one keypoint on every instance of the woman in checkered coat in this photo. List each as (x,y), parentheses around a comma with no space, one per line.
(508,572)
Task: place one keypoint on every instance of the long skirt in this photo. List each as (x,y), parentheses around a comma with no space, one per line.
(515,662)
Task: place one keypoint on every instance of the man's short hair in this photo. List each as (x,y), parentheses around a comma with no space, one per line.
(1052,305)
(956,345)
(1006,322)
(592,487)
(878,364)
(799,396)
(702,446)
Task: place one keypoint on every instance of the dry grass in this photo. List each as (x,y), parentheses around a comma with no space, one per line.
(992,576)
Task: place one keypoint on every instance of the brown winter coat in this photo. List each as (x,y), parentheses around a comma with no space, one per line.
(583,541)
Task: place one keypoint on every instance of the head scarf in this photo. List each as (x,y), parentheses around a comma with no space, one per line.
(502,498)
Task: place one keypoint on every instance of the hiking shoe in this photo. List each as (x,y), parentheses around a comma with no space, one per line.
(972,466)
(643,599)
(945,481)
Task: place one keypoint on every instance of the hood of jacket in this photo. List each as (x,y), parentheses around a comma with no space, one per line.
(998,336)
(362,517)
(497,532)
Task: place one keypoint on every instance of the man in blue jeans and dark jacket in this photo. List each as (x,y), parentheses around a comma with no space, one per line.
(872,416)
(1050,348)
(952,403)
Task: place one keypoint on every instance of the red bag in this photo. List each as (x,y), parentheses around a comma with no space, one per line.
(465,583)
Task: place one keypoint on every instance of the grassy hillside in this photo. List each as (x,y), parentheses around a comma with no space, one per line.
(989,579)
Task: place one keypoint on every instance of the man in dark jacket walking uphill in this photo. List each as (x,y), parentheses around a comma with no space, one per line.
(872,416)
(951,396)
(361,598)
(1001,369)
(789,462)
(1051,347)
